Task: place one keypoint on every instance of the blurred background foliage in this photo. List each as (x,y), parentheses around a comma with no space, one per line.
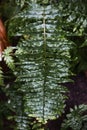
(48,40)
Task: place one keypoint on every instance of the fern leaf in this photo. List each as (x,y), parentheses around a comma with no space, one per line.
(44,63)
(8,58)
(1,77)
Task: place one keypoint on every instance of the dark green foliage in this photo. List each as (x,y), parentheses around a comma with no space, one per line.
(43,63)
(8,9)
(47,45)
(1,76)
(74,17)
(76,120)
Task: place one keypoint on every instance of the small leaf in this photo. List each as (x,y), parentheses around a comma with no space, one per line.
(8,57)
(1,77)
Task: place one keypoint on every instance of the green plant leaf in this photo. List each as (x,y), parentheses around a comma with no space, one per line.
(1,77)
(44,63)
(8,58)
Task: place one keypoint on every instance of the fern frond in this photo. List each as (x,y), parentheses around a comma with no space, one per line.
(8,57)
(76,118)
(1,77)
(44,62)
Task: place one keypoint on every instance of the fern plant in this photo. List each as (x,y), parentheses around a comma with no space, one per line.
(9,61)
(75,20)
(44,61)
(1,77)
(8,58)
(76,119)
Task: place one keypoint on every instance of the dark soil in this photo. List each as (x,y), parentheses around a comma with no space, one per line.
(78,90)
(77,95)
